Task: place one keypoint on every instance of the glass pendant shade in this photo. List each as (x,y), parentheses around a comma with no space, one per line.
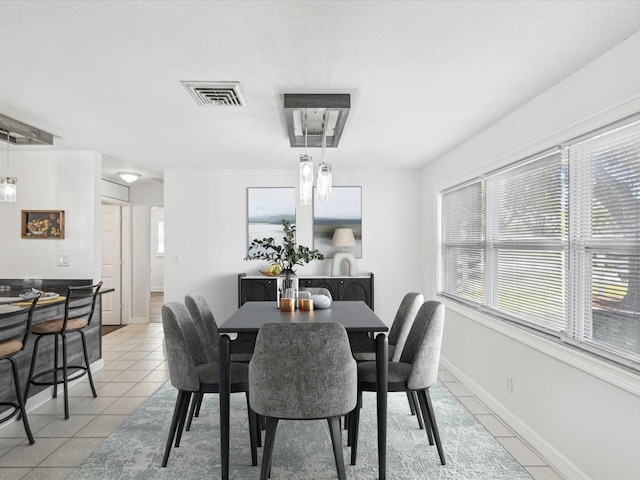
(324,181)
(306,180)
(8,189)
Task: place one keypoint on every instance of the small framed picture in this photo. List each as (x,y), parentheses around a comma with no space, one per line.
(42,224)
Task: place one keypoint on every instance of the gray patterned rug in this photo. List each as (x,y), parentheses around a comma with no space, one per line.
(302,449)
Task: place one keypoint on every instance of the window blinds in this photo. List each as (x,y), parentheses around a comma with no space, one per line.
(526,240)
(463,242)
(554,242)
(605,233)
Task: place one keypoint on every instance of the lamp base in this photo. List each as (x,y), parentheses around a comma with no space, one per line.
(340,257)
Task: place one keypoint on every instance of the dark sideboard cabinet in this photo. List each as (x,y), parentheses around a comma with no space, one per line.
(262,288)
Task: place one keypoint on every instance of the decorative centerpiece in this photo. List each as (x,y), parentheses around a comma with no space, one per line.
(283,258)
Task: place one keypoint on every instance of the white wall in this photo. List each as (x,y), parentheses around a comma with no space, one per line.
(56,180)
(206,225)
(581,413)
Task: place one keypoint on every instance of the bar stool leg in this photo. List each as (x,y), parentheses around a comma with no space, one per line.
(86,362)
(64,376)
(55,366)
(23,411)
(32,368)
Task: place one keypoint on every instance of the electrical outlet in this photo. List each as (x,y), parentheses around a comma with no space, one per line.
(508,383)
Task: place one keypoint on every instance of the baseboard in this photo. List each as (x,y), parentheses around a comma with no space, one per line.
(555,458)
(157,289)
(139,320)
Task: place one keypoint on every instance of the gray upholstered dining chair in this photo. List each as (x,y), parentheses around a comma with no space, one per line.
(191,373)
(400,328)
(416,371)
(302,371)
(208,329)
(398,334)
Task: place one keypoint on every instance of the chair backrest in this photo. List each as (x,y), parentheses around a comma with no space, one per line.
(205,323)
(17,329)
(178,337)
(403,322)
(25,336)
(318,291)
(75,308)
(302,371)
(422,348)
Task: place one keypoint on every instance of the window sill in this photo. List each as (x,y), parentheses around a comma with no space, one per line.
(601,368)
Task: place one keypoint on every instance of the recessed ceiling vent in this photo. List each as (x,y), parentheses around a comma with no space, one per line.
(217,94)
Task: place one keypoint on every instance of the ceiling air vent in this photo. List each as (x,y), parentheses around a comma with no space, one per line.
(216,93)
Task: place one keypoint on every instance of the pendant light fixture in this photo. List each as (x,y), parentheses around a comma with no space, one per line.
(8,185)
(324,169)
(305,186)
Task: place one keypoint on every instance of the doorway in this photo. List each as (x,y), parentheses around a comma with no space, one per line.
(112,263)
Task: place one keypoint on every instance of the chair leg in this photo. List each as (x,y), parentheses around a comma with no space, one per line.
(413,405)
(198,406)
(427,408)
(258,430)
(355,426)
(272,425)
(55,366)
(34,357)
(197,400)
(183,417)
(336,441)
(86,362)
(65,376)
(174,425)
(253,430)
(427,422)
(23,411)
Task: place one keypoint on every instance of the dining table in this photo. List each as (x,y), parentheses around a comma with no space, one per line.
(366,332)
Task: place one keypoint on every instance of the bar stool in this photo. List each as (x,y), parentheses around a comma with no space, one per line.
(8,349)
(77,317)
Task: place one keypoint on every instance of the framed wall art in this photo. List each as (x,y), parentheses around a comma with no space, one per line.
(343,210)
(266,208)
(42,224)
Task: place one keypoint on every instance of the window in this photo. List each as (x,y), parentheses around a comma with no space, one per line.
(553,242)
(160,240)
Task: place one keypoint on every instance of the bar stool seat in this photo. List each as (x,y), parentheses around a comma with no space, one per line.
(79,308)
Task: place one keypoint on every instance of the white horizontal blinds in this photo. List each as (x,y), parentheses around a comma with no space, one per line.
(527,240)
(463,242)
(606,238)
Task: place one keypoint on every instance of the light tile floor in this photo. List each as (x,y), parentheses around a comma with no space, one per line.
(134,368)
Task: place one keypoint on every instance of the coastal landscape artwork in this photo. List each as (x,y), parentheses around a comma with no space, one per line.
(266,208)
(343,210)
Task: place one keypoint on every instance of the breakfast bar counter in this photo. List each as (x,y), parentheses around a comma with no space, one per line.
(46,309)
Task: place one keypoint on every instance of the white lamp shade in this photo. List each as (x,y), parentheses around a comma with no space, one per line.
(343,237)
(306,180)
(8,190)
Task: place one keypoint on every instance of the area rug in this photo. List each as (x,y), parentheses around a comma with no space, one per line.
(302,449)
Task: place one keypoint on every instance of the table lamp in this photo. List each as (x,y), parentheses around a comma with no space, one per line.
(343,237)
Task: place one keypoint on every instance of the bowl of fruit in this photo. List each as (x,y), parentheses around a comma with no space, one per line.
(273,270)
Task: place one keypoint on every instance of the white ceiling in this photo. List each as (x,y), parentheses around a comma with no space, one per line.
(424,76)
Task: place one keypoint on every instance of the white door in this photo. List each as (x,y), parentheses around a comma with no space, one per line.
(111,265)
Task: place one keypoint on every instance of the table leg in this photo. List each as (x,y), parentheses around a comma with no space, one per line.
(382,373)
(225,393)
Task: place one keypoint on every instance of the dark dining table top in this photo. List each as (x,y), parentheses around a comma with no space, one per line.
(355,316)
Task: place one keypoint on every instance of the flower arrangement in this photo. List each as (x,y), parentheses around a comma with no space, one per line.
(283,257)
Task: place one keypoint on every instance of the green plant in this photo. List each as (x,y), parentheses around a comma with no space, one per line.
(287,255)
